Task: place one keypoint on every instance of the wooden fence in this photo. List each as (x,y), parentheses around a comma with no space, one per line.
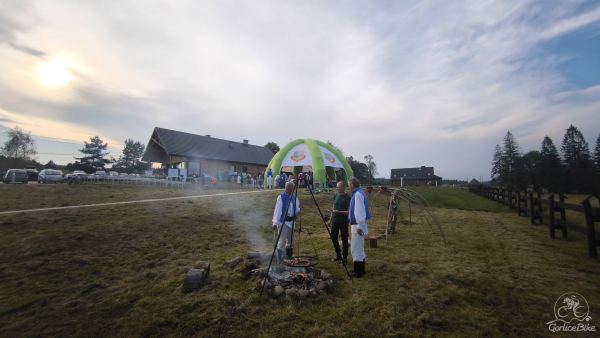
(532,205)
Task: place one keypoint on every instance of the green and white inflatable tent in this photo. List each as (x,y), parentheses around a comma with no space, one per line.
(322,158)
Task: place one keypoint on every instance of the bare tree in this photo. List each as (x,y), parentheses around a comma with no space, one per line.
(372,167)
(20,144)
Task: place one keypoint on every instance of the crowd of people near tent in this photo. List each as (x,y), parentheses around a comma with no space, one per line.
(257,181)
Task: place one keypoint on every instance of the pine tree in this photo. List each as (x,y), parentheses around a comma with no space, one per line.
(597,162)
(496,162)
(550,168)
(574,146)
(50,165)
(579,166)
(94,155)
(508,167)
(597,154)
(130,160)
(529,171)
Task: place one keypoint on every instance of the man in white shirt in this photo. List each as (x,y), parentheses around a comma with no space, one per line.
(282,220)
(358,216)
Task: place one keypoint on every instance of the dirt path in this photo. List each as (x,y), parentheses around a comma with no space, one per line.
(12,212)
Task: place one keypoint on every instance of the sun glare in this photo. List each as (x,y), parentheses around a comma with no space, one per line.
(54,74)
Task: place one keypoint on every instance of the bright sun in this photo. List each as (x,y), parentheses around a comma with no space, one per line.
(54,74)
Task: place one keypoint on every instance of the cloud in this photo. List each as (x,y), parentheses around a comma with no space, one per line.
(409,83)
(28,50)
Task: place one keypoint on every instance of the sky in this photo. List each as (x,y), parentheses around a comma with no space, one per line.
(435,83)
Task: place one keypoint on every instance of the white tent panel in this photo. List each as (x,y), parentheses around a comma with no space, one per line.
(330,159)
(297,156)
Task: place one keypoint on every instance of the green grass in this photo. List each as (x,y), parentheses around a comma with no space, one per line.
(117,271)
(457,198)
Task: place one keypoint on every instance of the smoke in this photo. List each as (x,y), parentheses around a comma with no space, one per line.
(255,223)
(247,214)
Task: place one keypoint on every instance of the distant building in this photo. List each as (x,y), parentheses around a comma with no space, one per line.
(474,183)
(205,154)
(414,176)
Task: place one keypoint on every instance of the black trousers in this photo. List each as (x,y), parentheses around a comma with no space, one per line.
(336,229)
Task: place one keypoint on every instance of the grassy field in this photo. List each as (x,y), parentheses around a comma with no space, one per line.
(117,271)
(30,196)
(457,198)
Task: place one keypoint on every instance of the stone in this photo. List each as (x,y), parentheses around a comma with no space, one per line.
(194,279)
(278,291)
(325,275)
(322,285)
(291,292)
(261,281)
(232,263)
(260,272)
(303,293)
(203,265)
(313,292)
(329,283)
(246,268)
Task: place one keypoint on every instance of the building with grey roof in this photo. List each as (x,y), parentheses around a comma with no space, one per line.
(205,154)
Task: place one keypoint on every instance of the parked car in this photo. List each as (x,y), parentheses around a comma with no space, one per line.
(100,175)
(32,174)
(113,173)
(123,174)
(77,176)
(16,176)
(50,176)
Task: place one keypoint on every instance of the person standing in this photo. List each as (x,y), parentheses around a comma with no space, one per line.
(282,220)
(339,222)
(270,179)
(358,216)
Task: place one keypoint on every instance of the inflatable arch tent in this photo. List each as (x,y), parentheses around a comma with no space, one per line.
(323,158)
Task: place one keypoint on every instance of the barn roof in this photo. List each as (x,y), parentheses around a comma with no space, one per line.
(166,142)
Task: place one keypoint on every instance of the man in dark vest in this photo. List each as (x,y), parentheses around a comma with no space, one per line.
(339,221)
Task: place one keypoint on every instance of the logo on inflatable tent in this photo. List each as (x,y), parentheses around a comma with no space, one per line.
(329,157)
(298,156)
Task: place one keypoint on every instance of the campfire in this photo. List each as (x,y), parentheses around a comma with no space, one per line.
(297,277)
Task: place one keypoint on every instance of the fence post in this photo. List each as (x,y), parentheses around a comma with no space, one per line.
(531,208)
(563,213)
(590,218)
(552,221)
(551,215)
(536,208)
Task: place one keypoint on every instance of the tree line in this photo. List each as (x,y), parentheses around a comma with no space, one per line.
(94,156)
(574,169)
(21,147)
